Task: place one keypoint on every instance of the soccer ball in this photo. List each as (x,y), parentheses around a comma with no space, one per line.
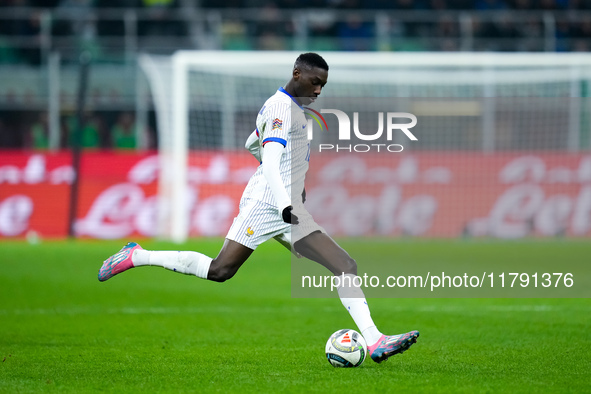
(346,349)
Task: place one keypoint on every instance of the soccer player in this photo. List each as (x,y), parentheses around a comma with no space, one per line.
(268,209)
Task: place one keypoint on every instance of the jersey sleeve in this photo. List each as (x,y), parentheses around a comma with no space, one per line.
(253,145)
(276,124)
(273,153)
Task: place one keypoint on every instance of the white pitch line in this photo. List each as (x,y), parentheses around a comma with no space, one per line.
(296,309)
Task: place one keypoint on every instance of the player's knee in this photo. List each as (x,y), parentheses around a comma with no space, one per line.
(350,266)
(220,274)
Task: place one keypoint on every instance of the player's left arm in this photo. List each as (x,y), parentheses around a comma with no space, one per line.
(273,151)
(275,135)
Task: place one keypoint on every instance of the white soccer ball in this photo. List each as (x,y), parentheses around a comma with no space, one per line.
(346,349)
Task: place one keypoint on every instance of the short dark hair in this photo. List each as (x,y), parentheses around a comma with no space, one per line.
(311,60)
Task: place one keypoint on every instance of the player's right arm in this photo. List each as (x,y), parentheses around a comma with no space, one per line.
(254,145)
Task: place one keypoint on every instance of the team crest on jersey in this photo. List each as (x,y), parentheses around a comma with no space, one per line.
(277,123)
(249,232)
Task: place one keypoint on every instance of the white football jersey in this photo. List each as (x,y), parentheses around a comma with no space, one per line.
(282,120)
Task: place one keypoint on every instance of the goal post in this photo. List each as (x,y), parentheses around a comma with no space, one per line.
(208,100)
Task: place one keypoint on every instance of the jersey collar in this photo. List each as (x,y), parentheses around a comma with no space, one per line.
(289,95)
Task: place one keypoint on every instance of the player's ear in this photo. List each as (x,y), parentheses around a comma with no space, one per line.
(296,73)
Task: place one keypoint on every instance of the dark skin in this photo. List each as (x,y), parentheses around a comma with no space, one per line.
(306,83)
(305,86)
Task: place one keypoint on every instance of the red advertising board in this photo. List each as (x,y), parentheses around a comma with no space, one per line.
(451,194)
(430,194)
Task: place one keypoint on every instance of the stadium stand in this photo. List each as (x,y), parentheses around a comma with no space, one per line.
(114,32)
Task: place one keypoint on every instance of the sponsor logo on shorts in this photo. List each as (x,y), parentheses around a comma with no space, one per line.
(249,232)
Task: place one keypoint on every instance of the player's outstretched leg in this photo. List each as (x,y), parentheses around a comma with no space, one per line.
(223,267)
(389,345)
(119,262)
(321,248)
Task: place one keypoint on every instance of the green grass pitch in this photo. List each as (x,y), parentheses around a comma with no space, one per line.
(151,330)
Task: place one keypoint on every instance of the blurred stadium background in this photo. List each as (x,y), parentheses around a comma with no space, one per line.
(507,159)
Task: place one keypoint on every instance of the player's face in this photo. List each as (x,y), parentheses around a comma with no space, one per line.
(309,83)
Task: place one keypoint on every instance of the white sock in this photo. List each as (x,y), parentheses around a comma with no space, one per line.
(190,263)
(353,299)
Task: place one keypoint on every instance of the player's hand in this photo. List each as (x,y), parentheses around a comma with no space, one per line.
(289,217)
(304,196)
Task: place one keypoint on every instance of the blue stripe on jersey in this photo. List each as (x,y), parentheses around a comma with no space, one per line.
(284,91)
(275,139)
(257,130)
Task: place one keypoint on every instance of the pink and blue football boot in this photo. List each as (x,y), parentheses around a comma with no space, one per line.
(389,345)
(119,262)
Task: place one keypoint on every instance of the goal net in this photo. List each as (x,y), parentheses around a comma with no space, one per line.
(472,107)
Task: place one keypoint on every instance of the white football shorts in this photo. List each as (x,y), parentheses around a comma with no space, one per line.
(257,222)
